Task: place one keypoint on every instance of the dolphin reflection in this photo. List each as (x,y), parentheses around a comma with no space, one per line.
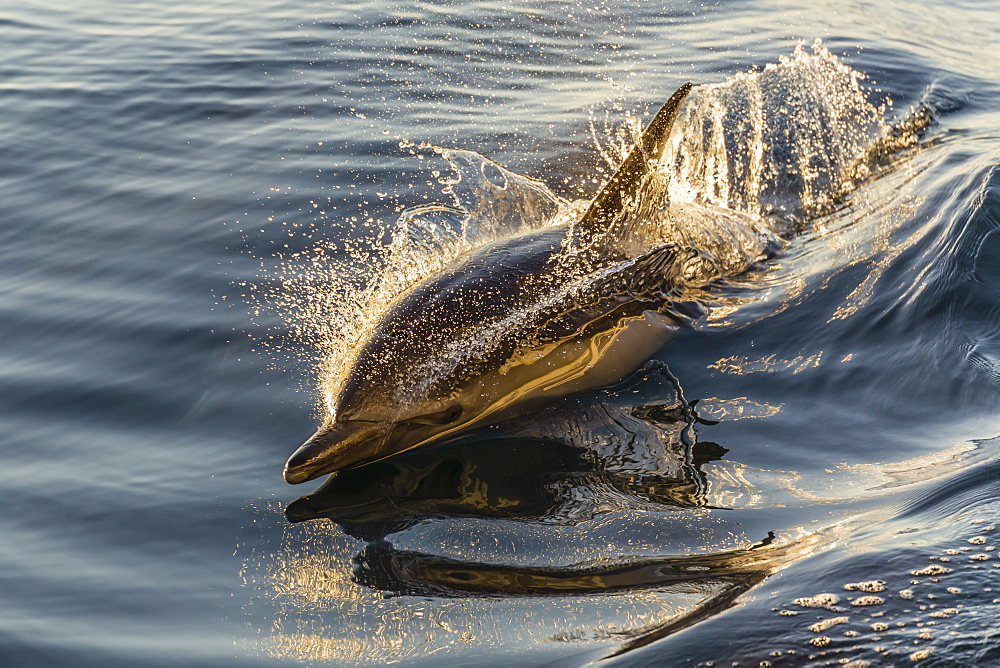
(555,477)
(475,479)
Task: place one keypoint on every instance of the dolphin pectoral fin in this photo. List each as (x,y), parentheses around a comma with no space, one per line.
(661,271)
(336,446)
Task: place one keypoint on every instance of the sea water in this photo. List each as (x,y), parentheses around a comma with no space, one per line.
(181,178)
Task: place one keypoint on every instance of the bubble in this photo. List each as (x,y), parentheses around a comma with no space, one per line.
(817,601)
(871,586)
(867,600)
(823,625)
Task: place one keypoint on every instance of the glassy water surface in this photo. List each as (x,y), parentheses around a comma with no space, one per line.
(206,206)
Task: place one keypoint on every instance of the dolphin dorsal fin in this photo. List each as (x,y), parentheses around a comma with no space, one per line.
(641,160)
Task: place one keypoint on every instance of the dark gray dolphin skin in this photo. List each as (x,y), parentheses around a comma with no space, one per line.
(395,399)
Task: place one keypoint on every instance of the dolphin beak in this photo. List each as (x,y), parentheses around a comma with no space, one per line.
(337,446)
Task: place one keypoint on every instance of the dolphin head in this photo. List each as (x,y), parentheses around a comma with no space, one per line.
(374,422)
(346,444)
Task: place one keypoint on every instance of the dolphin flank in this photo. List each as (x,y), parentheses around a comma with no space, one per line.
(594,307)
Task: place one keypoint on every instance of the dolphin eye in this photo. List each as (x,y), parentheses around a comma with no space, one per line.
(452,413)
(447,416)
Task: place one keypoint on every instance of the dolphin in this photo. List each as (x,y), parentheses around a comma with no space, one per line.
(524,320)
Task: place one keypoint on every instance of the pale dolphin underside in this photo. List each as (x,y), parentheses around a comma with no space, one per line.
(581,328)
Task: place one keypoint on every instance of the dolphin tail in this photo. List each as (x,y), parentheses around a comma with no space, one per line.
(620,191)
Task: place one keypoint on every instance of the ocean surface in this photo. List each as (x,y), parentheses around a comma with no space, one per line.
(196,195)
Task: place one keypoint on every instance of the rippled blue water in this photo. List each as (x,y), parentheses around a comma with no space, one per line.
(161,156)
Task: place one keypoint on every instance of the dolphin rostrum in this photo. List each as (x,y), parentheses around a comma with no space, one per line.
(590,309)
